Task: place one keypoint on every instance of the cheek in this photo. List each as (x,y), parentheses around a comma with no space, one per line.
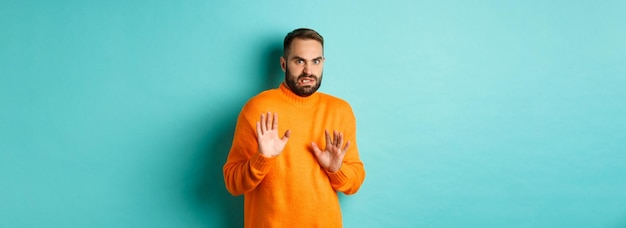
(294,68)
(291,72)
(318,69)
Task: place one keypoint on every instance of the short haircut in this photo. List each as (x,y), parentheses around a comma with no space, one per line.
(301,33)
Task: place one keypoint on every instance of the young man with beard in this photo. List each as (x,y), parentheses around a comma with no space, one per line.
(292,179)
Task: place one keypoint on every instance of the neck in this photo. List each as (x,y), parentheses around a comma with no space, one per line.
(296,99)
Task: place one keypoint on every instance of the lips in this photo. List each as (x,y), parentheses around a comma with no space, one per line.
(307,81)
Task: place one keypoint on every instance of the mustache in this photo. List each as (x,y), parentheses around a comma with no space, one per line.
(301,76)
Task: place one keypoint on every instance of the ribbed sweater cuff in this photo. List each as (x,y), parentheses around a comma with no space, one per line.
(337,178)
(260,163)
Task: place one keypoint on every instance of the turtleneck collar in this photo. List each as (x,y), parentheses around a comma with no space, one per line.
(298,100)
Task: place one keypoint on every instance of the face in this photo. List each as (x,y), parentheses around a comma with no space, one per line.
(303,66)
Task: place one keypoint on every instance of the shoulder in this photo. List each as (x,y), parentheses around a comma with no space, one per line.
(259,102)
(335,102)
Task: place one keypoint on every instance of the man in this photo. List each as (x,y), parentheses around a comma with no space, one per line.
(291,180)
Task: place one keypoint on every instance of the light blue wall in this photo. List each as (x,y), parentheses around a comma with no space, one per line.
(470,113)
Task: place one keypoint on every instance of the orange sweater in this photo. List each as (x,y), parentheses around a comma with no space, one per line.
(292,189)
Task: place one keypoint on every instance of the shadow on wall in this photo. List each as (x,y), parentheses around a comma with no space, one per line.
(211,191)
(273,73)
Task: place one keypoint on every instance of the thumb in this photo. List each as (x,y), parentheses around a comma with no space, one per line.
(286,136)
(316,149)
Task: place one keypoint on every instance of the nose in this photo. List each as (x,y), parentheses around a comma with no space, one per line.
(306,70)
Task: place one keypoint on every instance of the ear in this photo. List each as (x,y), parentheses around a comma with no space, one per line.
(283,63)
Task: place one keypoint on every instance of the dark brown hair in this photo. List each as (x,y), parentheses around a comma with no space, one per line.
(301,33)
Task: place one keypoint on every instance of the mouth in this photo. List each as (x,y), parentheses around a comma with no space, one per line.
(307,81)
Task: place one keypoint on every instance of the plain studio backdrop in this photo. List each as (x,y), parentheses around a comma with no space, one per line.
(469,113)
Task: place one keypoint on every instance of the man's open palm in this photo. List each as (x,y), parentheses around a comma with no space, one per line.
(267,136)
(332,156)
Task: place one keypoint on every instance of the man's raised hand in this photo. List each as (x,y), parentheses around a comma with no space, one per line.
(267,135)
(332,156)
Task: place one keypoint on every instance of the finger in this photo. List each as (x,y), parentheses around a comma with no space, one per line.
(258,129)
(336,139)
(263,126)
(329,141)
(340,140)
(269,119)
(345,148)
(286,136)
(316,149)
(275,122)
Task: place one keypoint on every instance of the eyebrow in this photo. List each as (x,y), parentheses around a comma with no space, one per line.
(318,58)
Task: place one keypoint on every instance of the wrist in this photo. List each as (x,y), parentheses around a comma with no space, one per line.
(333,169)
(267,155)
(260,163)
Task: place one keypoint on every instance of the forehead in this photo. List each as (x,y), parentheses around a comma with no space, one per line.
(306,48)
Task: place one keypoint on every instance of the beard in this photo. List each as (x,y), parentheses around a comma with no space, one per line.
(303,91)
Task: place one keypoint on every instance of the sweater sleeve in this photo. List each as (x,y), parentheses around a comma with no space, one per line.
(348,179)
(245,167)
(352,173)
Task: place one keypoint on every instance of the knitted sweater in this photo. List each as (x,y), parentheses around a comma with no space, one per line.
(292,189)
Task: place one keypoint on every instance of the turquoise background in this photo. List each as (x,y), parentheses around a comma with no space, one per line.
(470,113)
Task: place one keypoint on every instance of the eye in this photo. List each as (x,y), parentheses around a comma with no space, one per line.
(317,61)
(299,61)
